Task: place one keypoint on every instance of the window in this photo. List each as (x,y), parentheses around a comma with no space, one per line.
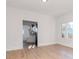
(67,30)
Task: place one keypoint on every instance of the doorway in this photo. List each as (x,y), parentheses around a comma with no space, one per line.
(30,34)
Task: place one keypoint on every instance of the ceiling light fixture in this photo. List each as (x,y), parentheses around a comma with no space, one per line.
(44,0)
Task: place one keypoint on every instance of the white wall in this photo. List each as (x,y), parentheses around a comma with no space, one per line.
(46,28)
(61,20)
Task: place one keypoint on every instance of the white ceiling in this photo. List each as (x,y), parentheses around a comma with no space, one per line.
(52,7)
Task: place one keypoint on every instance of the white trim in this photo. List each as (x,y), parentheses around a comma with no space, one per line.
(46,44)
(13,49)
(65,44)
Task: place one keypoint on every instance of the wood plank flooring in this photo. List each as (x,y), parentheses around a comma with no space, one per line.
(46,52)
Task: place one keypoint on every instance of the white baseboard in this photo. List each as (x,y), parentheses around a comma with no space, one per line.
(13,49)
(46,44)
(71,46)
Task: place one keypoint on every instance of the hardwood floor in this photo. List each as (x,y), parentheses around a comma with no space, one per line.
(47,52)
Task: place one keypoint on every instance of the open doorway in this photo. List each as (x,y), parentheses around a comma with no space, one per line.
(30,34)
